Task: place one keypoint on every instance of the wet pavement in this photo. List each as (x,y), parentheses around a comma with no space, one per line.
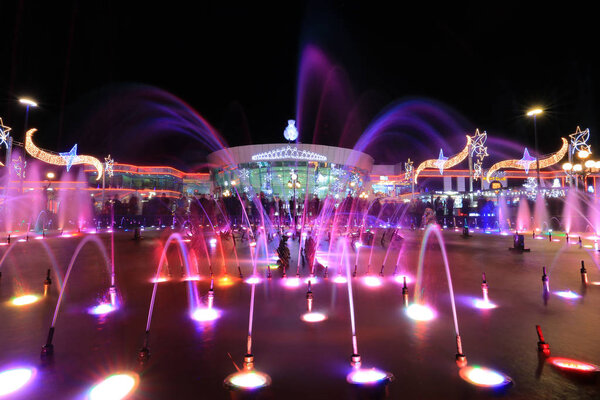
(189,360)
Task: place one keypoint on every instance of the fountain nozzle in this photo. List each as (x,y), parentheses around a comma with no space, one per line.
(249,362)
(8,239)
(354,273)
(269,275)
(545,280)
(580,242)
(461,359)
(381,271)
(326,273)
(405,294)
(356,361)
(47,283)
(549,236)
(48,348)
(583,271)
(543,347)
(144,353)
(484,289)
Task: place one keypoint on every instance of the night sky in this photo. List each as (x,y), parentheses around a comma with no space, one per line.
(95,66)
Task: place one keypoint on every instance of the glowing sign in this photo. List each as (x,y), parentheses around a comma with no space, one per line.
(288,153)
(524,162)
(290,132)
(55,159)
(443,162)
(495,185)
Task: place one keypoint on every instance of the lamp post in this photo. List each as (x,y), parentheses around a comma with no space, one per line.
(294,184)
(584,168)
(28,103)
(534,113)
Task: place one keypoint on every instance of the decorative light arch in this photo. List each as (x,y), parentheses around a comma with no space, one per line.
(56,159)
(444,162)
(525,162)
(289,153)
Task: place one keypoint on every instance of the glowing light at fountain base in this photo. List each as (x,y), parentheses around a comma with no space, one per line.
(340,279)
(159,280)
(483,305)
(371,376)
(400,279)
(253,280)
(291,282)
(570,365)
(372,281)
(568,294)
(102,309)
(247,380)
(312,280)
(205,314)
(12,380)
(24,300)
(419,312)
(115,387)
(314,317)
(484,377)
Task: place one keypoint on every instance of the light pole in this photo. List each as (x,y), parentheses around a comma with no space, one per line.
(294,184)
(28,103)
(534,113)
(584,168)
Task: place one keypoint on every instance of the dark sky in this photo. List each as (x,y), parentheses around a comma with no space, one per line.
(94,66)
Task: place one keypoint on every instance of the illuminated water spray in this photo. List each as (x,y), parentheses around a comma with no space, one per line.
(360,375)
(48,348)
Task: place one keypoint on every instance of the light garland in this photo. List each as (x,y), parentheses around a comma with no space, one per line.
(4,134)
(579,140)
(408,168)
(288,153)
(20,167)
(524,162)
(108,166)
(55,159)
(443,162)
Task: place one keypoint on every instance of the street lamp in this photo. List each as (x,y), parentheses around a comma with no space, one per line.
(294,184)
(28,103)
(583,168)
(534,113)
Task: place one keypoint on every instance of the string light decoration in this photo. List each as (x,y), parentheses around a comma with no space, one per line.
(443,162)
(579,140)
(477,170)
(523,163)
(57,159)
(70,157)
(440,162)
(479,151)
(20,166)
(108,166)
(408,170)
(288,153)
(4,134)
(291,132)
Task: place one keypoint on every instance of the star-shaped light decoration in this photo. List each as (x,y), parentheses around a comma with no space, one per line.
(244,174)
(526,161)
(108,166)
(70,157)
(579,140)
(4,134)
(441,161)
(477,144)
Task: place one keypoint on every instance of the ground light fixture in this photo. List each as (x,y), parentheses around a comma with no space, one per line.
(247,379)
(115,387)
(484,377)
(14,379)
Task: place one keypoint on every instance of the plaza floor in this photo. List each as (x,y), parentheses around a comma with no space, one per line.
(189,360)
